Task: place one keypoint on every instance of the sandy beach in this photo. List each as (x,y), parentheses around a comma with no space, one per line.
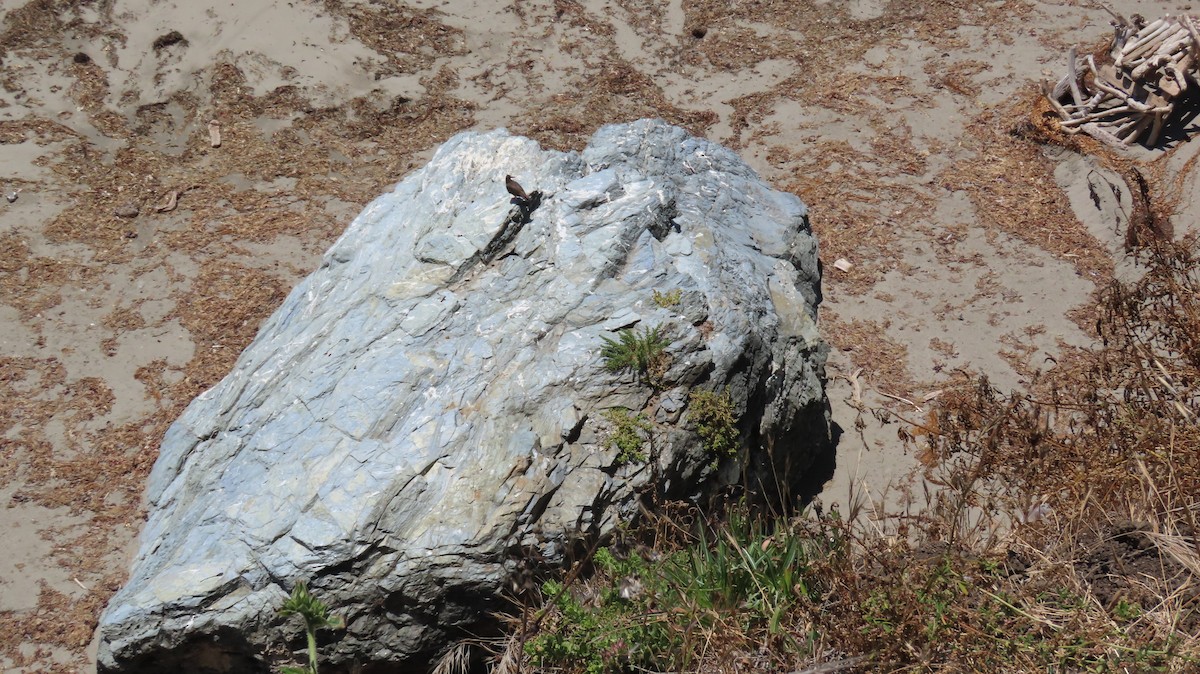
(174,168)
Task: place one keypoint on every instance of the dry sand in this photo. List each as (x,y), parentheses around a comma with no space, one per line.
(903,124)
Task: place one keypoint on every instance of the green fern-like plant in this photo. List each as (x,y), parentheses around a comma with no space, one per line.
(644,353)
(316,616)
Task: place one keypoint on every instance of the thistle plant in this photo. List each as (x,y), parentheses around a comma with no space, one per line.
(316,616)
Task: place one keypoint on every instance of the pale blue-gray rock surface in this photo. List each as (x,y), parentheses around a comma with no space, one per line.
(428,403)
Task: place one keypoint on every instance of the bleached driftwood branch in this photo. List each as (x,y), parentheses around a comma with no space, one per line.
(1130,95)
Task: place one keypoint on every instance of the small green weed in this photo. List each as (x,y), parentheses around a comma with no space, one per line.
(1126,611)
(316,616)
(741,582)
(644,353)
(668,299)
(758,570)
(627,434)
(877,611)
(604,631)
(715,421)
(941,592)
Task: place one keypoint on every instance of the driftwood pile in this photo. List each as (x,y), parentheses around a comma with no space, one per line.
(1131,94)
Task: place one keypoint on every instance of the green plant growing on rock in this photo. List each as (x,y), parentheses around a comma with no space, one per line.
(644,353)
(668,299)
(627,437)
(609,628)
(715,421)
(316,616)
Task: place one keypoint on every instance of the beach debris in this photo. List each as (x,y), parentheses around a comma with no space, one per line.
(214,133)
(856,398)
(1035,513)
(168,202)
(1127,94)
(169,40)
(11,197)
(127,210)
(629,588)
(842,264)
(902,399)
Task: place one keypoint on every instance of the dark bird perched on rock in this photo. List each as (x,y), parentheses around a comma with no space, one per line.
(514,188)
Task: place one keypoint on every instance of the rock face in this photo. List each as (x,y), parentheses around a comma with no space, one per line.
(429,405)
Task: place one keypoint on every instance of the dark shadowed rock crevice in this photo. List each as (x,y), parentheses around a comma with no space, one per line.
(432,399)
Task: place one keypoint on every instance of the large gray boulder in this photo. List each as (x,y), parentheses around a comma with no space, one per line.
(428,405)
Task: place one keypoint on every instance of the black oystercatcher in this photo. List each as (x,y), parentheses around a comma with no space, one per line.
(514,188)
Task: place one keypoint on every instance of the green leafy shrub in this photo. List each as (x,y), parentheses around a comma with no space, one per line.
(604,631)
(627,434)
(715,421)
(644,353)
